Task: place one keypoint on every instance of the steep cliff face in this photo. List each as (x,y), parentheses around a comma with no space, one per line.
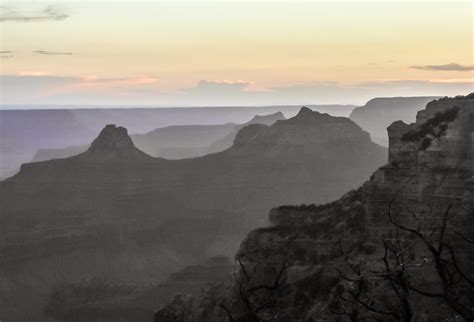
(380,112)
(430,169)
(430,165)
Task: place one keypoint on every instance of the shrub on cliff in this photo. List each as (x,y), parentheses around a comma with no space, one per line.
(435,127)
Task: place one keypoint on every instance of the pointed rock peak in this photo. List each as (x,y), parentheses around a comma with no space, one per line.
(114,142)
(305,111)
(308,116)
(112,137)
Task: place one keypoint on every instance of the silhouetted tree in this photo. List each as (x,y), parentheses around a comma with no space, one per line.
(257,295)
(392,285)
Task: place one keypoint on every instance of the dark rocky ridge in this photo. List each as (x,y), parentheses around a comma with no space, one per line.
(135,218)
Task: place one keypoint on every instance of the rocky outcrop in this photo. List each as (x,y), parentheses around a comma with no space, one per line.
(307,235)
(378,113)
(430,164)
(430,169)
(113,144)
(321,132)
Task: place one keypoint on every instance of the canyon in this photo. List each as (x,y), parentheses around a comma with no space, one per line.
(116,213)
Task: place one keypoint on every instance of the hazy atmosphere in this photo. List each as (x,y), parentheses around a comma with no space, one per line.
(236,161)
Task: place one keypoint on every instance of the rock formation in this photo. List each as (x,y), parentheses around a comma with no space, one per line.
(175,142)
(430,163)
(113,144)
(114,211)
(48,128)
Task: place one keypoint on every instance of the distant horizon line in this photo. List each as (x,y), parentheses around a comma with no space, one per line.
(4,107)
(133,106)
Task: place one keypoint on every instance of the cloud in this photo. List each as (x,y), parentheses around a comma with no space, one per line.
(447,67)
(49,13)
(26,88)
(218,87)
(216,92)
(36,87)
(50,53)
(33,73)
(94,81)
(241,93)
(6,54)
(93,85)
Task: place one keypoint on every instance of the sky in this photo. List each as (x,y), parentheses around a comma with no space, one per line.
(195,53)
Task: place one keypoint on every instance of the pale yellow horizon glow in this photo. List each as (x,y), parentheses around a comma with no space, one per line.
(265,44)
